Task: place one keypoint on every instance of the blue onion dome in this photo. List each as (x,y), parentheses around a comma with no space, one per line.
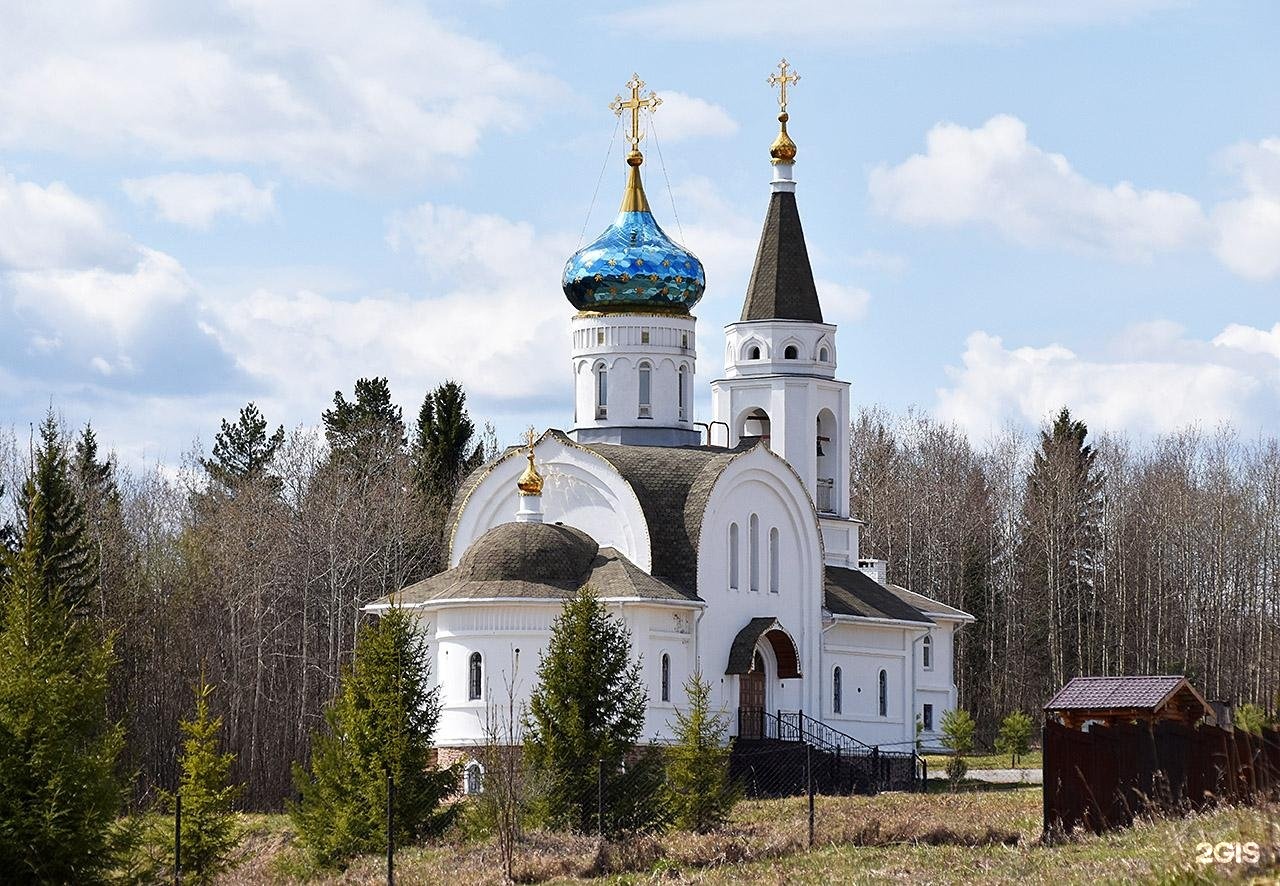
(634,265)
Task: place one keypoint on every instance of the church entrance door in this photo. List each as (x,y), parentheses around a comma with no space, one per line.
(751,700)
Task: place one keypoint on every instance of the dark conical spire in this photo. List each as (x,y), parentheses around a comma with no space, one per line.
(782,286)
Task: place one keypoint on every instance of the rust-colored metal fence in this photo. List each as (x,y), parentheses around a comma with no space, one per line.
(1103,778)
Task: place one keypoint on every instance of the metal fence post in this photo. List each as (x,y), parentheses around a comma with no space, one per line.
(808,768)
(875,769)
(600,798)
(177,838)
(391,837)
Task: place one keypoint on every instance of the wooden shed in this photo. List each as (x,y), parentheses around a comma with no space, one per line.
(1113,700)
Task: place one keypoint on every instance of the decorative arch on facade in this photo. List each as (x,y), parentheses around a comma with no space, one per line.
(754,349)
(825,351)
(576,479)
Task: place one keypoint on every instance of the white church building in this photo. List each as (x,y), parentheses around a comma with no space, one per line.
(726,544)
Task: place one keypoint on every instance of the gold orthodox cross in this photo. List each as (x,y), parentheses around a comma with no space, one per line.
(784,78)
(635,104)
(529,436)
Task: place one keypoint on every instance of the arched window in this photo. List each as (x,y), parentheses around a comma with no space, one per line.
(602,391)
(754,353)
(474,780)
(733,556)
(822,355)
(646,385)
(926,653)
(754,543)
(775,568)
(475,677)
(837,692)
(791,353)
(682,383)
(666,677)
(884,693)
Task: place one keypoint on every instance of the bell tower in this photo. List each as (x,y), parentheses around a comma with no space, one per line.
(780,381)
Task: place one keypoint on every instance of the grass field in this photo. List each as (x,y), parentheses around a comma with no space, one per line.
(938,762)
(979,836)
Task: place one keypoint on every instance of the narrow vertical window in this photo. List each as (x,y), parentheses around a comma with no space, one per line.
(884,693)
(775,568)
(666,677)
(475,677)
(927,718)
(681,395)
(646,385)
(754,543)
(602,391)
(733,556)
(837,692)
(822,355)
(926,653)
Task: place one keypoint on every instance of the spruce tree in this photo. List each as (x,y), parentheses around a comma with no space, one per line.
(584,717)
(443,448)
(1015,736)
(59,794)
(364,431)
(380,724)
(1062,521)
(699,791)
(243,451)
(67,557)
(210,830)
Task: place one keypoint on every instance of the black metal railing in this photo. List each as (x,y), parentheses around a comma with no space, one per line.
(852,766)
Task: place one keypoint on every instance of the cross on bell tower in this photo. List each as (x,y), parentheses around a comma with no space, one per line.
(784,78)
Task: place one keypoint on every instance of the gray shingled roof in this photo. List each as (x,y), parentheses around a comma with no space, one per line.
(853,592)
(1125,693)
(927,604)
(673,485)
(782,286)
(538,561)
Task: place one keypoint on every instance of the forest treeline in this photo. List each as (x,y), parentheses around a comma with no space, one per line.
(249,564)
(246,566)
(1081,556)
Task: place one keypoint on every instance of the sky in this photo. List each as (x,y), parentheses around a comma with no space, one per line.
(1010,206)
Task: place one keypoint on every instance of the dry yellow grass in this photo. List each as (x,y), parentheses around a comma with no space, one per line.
(981,837)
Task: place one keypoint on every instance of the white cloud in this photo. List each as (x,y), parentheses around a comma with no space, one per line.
(121,302)
(682,117)
(196,200)
(1248,229)
(345,92)
(876,22)
(81,303)
(993,175)
(842,304)
(51,226)
(1157,381)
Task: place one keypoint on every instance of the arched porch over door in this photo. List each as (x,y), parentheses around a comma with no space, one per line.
(762,653)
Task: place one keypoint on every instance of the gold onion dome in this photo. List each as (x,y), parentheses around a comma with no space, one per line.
(783,149)
(530,482)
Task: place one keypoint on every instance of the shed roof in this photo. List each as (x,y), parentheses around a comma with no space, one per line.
(1141,693)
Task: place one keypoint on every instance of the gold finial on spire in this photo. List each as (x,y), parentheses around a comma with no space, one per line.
(783,149)
(633,198)
(530,482)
